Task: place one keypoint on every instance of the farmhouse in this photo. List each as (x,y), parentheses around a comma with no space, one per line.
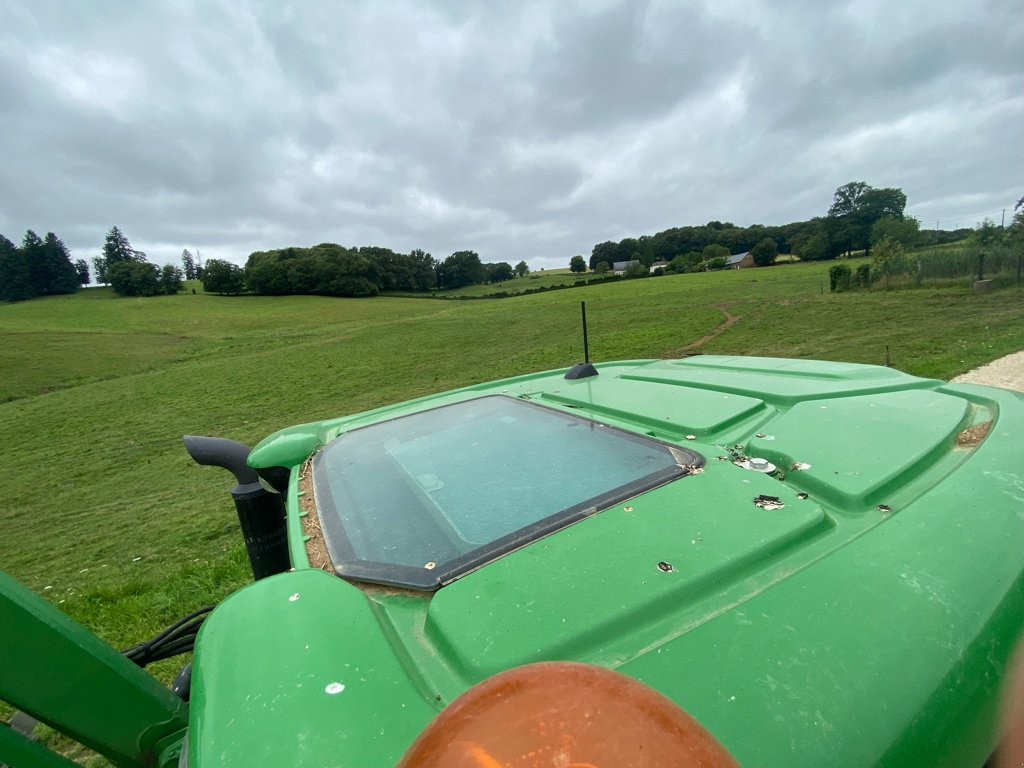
(739,261)
(620,267)
(658,265)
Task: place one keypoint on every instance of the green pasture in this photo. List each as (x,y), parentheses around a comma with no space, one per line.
(104,513)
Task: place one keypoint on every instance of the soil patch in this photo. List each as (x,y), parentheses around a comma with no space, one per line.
(316,548)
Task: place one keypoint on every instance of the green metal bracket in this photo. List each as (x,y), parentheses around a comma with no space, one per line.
(63,675)
(19,751)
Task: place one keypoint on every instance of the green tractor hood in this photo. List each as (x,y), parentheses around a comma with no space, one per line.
(820,562)
(835,578)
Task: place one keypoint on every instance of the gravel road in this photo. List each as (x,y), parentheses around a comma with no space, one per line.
(1006,372)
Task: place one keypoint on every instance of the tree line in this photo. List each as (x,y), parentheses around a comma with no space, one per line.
(330,269)
(43,267)
(860,217)
(38,267)
(130,273)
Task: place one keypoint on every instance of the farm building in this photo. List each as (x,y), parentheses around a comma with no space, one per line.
(739,261)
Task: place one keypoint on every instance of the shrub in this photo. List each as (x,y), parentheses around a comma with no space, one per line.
(839,278)
(862,276)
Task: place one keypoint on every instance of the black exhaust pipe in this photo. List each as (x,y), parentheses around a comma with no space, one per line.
(261,512)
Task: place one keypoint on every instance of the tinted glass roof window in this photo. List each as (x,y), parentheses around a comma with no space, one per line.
(418,500)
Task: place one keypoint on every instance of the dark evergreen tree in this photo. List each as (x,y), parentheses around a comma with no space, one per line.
(32,249)
(15,275)
(188,264)
(82,269)
(60,274)
(116,250)
(99,268)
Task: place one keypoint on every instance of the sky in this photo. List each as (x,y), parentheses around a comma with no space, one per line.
(522,131)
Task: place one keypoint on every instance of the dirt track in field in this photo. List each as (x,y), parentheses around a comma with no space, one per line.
(729,322)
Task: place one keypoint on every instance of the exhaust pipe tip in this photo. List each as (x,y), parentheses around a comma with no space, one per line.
(221,452)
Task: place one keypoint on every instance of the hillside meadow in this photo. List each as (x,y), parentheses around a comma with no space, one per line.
(104,513)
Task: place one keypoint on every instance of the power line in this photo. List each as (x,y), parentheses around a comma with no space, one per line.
(974,216)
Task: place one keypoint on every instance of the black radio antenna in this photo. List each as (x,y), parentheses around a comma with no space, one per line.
(584,369)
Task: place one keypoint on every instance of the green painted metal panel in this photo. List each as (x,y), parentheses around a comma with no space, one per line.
(665,407)
(63,675)
(781,382)
(592,585)
(296,670)
(859,446)
(801,623)
(17,751)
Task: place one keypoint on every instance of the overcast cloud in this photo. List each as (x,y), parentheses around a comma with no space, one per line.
(526,131)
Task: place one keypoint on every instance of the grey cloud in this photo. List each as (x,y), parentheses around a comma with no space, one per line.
(528,131)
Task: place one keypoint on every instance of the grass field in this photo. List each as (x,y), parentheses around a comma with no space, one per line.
(104,513)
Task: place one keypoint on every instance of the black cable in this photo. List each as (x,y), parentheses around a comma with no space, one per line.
(178,638)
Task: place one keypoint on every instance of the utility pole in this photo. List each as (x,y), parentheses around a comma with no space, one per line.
(1003,222)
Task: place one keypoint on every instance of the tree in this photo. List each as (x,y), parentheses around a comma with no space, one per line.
(680,264)
(522,270)
(116,250)
(500,272)
(460,269)
(607,251)
(636,269)
(170,280)
(987,234)
(188,264)
(82,269)
(222,277)
(846,198)
(59,274)
(905,231)
(816,247)
(15,275)
(134,278)
(715,251)
(764,253)
(265,275)
(887,251)
(1015,232)
(99,268)
(602,268)
(577,264)
(423,270)
(856,207)
(32,250)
